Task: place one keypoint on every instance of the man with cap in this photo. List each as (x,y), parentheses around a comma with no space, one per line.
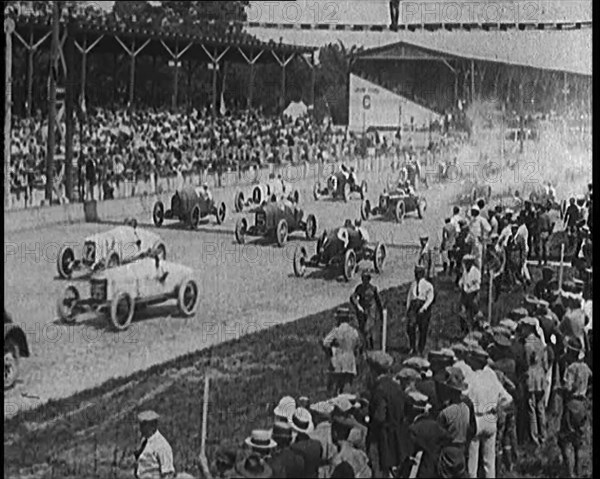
(154,458)
(387,438)
(408,379)
(543,288)
(575,406)
(480,229)
(369,308)
(535,379)
(456,217)
(345,451)
(283,461)
(309,449)
(469,284)
(225,461)
(425,258)
(456,419)
(418,310)
(342,343)
(488,397)
(461,352)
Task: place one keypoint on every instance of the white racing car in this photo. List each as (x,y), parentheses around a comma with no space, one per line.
(121,290)
(111,248)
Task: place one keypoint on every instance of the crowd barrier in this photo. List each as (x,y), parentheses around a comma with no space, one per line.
(301,177)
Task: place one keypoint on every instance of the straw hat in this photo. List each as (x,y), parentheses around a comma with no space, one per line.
(301,421)
(261,440)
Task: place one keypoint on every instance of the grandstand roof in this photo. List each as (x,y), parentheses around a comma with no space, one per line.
(555,50)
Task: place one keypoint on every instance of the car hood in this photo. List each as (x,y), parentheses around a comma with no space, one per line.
(123,234)
(140,268)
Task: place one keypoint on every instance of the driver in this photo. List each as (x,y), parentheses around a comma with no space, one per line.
(345,171)
(206,194)
(352,178)
(343,236)
(362,232)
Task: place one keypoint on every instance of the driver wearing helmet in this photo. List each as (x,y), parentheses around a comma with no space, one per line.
(352,178)
(345,171)
(206,194)
(362,232)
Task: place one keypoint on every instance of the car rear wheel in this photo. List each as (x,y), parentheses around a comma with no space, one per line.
(421,207)
(257,195)
(239,202)
(365,210)
(221,212)
(187,297)
(122,308)
(346,191)
(317,191)
(349,264)
(363,190)
(379,257)
(195,217)
(241,227)
(158,214)
(282,232)
(311,227)
(399,211)
(66,306)
(300,257)
(11,363)
(64,262)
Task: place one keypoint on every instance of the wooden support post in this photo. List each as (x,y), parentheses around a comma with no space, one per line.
(154,81)
(251,85)
(52,102)
(69,107)
(384,330)
(203,461)
(175,85)
(214,89)
(313,79)
(282,91)
(83,69)
(30,53)
(472,81)
(132,74)
(9,28)
(561,267)
(490,297)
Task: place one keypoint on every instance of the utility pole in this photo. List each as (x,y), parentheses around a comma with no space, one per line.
(9,28)
(56,7)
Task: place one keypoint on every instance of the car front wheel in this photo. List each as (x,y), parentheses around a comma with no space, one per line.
(282,232)
(349,264)
(11,363)
(122,308)
(187,297)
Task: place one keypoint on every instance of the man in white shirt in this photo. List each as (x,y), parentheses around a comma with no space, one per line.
(154,458)
(456,217)
(418,310)
(469,284)
(521,238)
(480,229)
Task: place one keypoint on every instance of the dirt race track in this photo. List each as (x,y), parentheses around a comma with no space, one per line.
(243,289)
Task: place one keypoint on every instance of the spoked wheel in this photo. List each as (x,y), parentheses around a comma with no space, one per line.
(11,363)
(122,308)
(349,264)
(399,211)
(195,217)
(240,230)
(365,210)
(239,202)
(67,305)
(257,195)
(282,232)
(64,262)
(158,214)
(311,227)
(187,297)
(379,257)
(221,212)
(300,257)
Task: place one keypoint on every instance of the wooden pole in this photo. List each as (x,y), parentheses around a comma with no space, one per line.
(9,28)
(203,460)
(69,107)
(384,331)
(214,88)
(282,98)
(490,296)
(313,79)
(30,53)
(560,268)
(83,69)
(472,81)
(132,75)
(52,102)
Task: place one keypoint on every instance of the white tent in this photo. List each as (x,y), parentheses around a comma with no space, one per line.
(295,110)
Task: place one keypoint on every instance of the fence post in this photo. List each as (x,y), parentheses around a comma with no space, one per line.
(384,331)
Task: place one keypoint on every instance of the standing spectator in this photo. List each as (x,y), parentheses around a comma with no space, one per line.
(493,221)
(449,235)
(543,288)
(91,176)
(544,229)
(571,220)
(346,452)
(480,229)
(154,458)
(426,257)
(368,305)
(342,343)
(469,284)
(418,310)
(309,449)
(387,439)
(456,217)
(521,240)
(283,461)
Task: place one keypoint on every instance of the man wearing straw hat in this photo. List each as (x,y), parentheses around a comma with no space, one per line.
(342,343)
(253,467)
(283,461)
(309,449)
(154,458)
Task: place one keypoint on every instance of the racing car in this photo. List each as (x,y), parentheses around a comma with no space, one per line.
(123,290)
(15,347)
(341,248)
(396,203)
(111,248)
(276,220)
(272,191)
(189,205)
(338,186)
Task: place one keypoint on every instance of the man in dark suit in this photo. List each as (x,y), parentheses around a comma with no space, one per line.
(388,442)
(284,462)
(309,449)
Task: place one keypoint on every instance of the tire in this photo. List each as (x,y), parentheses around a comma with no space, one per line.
(311,227)
(64,261)
(67,304)
(240,230)
(399,211)
(349,264)
(363,190)
(112,260)
(257,195)
(158,214)
(195,217)
(187,297)
(221,212)
(365,210)
(122,308)
(379,257)
(239,202)
(317,191)
(346,191)
(421,207)
(300,257)
(281,233)
(11,363)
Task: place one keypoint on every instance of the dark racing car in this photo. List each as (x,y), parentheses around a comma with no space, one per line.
(189,205)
